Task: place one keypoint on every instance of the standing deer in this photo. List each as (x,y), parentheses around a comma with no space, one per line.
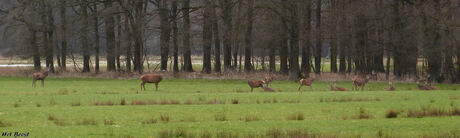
(39,76)
(256,84)
(268,80)
(360,82)
(306,82)
(151,78)
(390,87)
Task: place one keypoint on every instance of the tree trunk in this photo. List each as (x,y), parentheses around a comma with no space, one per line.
(63,34)
(96,36)
(294,43)
(84,35)
(164,33)
(36,50)
(215,30)
(306,47)
(228,29)
(333,35)
(207,37)
(49,33)
(174,37)
(118,43)
(342,39)
(186,40)
(110,37)
(318,38)
(272,59)
(248,38)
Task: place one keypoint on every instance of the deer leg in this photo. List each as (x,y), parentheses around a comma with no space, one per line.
(362,88)
(33,83)
(43,83)
(143,85)
(156,86)
(252,89)
(311,88)
(300,87)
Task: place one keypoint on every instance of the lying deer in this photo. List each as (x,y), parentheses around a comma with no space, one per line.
(256,84)
(426,86)
(336,88)
(390,87)
(267,89)
(39,76)
(151,78)
(360,82)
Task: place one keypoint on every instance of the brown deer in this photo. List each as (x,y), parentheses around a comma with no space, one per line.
(306,82)
(151,78)
(360,82)
(267,89)
(422,87)
(430,86)
(336,88)
(268,80)
(256,84)
(390,87)
(39,76)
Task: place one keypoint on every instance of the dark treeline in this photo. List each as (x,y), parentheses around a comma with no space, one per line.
(399,37)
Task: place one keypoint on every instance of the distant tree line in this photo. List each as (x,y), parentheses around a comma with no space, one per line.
(400,37)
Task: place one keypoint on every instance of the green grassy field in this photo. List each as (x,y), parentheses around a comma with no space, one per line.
(81,107)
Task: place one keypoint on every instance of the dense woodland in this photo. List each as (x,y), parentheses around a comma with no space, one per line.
(397,37)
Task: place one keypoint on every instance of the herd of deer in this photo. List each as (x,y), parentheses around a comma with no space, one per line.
(358,82)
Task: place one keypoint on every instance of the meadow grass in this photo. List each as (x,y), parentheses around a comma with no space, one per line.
(88,107)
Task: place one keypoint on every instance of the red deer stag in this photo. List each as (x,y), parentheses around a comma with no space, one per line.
(151,78)
(40,76)
(255,84)
(360,82)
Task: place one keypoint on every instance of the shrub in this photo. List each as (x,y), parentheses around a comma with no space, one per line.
(150,121)
(363,114)
(392,114)
(122,102)
(220,117)
(251,118)
(295,116)
(235,101)
(164,118)
(75,104)
(88,122)
(109,122)
(38,104)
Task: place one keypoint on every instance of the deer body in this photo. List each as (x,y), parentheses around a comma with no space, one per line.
(267,89)
(306,82)
(359,82)
(151,78)
(256,84)
(268,80)
(390,87)
(336,88)
(39,76)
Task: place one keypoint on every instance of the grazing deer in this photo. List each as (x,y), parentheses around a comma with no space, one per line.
(374,75)
(268,80)
(390,87)
(40,76)
(151,78)
(256,84)
(336,88)
(360,82)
